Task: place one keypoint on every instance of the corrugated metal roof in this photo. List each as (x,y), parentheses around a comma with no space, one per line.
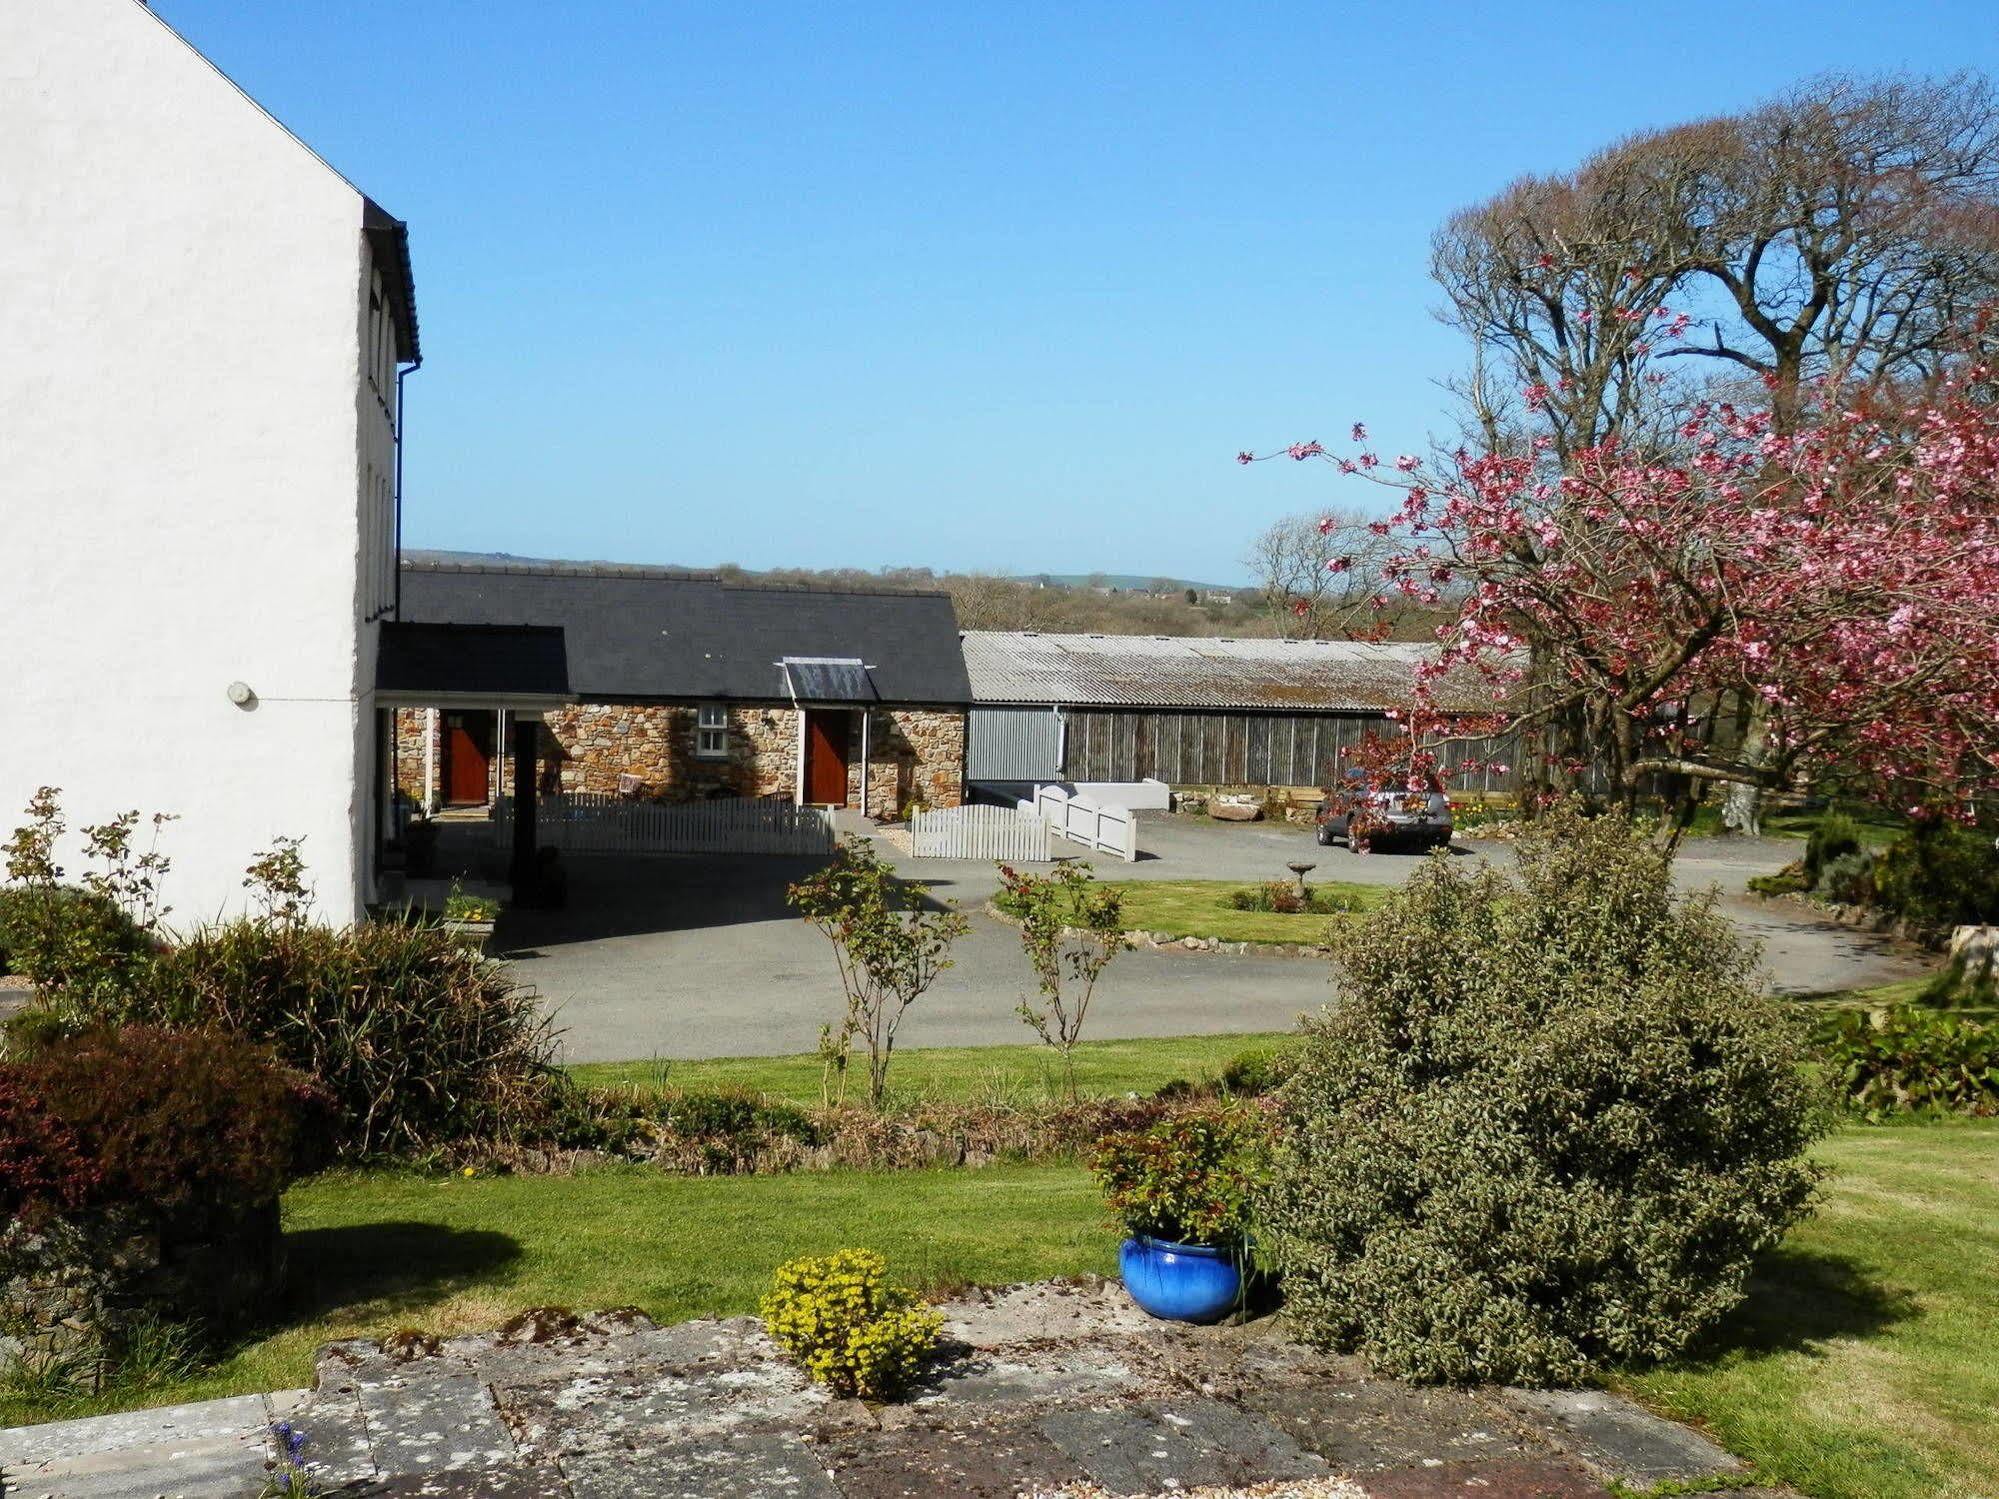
(1197,672)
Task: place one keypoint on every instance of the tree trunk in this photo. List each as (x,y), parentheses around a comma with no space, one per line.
(1742,803)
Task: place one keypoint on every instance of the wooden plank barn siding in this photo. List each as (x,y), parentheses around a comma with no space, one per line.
(1238,749)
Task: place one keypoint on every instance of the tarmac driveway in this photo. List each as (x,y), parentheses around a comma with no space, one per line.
(699,956)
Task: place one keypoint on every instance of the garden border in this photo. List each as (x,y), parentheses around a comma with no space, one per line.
(1166,942)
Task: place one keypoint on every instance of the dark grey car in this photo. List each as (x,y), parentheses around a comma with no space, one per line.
(1398,819)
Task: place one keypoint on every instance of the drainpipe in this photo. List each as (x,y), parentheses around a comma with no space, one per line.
(866,717)
(403,372)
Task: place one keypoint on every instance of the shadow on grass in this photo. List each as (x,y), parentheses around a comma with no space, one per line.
(389,1267)
(1797,1301)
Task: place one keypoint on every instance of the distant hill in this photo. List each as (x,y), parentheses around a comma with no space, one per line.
(1128,582)
(1123,582)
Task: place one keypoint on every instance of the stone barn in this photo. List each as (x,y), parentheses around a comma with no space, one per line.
(687,687)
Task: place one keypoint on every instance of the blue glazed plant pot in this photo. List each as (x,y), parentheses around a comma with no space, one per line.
(1181,1282)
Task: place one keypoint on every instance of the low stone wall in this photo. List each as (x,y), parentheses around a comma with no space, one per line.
(71,1289)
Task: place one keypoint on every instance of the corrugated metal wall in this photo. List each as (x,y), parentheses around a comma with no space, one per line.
(1236,749)
(1013,744)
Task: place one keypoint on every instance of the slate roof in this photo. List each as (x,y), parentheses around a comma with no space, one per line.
(1195,672)
(635,633)
(484,660)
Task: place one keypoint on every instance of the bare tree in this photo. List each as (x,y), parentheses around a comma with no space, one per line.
(1849,228)
(1318,574)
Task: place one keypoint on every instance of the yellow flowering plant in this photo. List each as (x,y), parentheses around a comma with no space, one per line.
(842,1321)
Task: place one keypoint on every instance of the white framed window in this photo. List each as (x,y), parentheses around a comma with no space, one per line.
(711,732)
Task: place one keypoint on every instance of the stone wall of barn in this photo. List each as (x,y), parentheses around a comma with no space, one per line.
(418,735)
(590,747)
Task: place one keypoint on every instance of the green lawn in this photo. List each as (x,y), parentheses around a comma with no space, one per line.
(377,1251)
(1879,826)
(958,1074)
(1934,990)
(1865,1364)
(1200,908)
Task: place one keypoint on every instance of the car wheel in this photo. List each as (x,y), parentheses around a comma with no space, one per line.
(1325,836)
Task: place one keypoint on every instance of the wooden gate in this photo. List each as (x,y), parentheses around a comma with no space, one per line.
(1002,833)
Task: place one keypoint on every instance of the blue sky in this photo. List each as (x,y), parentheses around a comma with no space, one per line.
(965,285)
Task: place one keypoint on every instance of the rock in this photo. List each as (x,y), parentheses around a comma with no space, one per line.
(408,1344)
(1623,1440)
(1236,812)
(539,1324)
(1977,949)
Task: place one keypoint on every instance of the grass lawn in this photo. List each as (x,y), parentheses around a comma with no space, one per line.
(1879,826)
(1865,1366)
(958,1074)
(1200,908)
(1931,990)
(376,1251)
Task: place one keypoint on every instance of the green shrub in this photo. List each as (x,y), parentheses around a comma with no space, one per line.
(847,1326)
(194,1125)
(1282,898)
(1255,1073)
(1940,874)
(418,1043)
(1189,1179)
(726,1132)
(458,906)
(1835,836)
(1790,880)
(1551,1126)
(71,943)
(1848,879)
(1909,1059)
(86,946)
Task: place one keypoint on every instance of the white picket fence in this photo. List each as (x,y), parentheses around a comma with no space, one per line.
(593,823)
(979,833)
(1085,820)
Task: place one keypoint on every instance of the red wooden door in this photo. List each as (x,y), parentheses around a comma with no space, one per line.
(468,740)
(826,733)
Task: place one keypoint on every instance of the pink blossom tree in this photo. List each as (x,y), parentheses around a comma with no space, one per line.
(1842,573)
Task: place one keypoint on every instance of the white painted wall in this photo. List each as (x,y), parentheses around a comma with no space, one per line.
(181,455)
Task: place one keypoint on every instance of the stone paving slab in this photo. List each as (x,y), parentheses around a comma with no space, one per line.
(1143,1448)
(1626,1441)
(1051,1390)
(610,1412)
(213,1447)
(1368,1425)
(423,1423)
(338,1450)
(1509,1479)
(749,1466)
(998,1460)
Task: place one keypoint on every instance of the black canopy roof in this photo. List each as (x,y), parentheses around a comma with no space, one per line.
(520,661)
(644,633)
